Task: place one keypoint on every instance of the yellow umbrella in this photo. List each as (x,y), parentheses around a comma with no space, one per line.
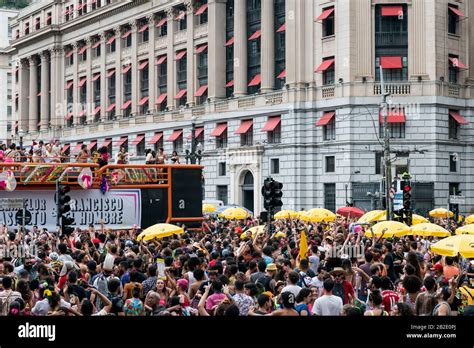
(416,219)
(286,214)
(451,246)
(388,229)
(254,230)
(321,214)
(280,234)
(303,215)
(468,229)
(159,231)
(429,230)
(440,213)
(208,208)
(470,220)
(372,216)
(234,213)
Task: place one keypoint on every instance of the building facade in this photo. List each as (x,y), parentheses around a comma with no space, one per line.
(282,88)
(6,101)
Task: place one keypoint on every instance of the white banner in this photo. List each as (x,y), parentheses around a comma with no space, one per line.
(119,209)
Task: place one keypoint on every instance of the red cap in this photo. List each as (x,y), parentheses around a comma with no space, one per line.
(437,267)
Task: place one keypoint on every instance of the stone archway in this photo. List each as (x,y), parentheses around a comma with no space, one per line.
(247,187)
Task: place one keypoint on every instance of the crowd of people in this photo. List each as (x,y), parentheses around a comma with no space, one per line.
(224,270)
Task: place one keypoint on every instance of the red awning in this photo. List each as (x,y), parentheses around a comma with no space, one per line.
(161,60)
(91,145)
(456,11)
(325,65)
(156,138)
(82,113)
(48,18)
(68,116)
(77,148)
(282,75)
(96,77)
(106,143)
(176,134)
(161,98)
(198,132)
(392,11)
(282,28)
(126,34)
(457,63)
(83,49)
(201,91)
(96,110)
(391,62)
(143,65)
(201,48)
(394,116)
(70,53)
(126,105)
(81,6)
(121,141)
(66,11)
(82,81)
(111,39)
(96,44)
(142,29)
(180,54)
(255,35)
(65,148)
(181,15)
(230,83)
(220,128)
(180,94)
(111,107)
(39,94)
(138,139)
(326,118)
(271,124)
(230,42)
(162,22)
(325,14)
(126,68)
(111,72)
(457,117)
(256,80)
(201,10)
(244,127)
(143,101)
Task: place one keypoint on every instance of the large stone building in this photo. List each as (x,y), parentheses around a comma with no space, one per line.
(283,88)
(6,52)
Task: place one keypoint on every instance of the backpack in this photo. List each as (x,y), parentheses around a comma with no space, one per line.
(339,291)
(264,282)
(305,280)
(5,305)
(102,286)
(467,295)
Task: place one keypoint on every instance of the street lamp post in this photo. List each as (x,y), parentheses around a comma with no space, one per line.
(193,150)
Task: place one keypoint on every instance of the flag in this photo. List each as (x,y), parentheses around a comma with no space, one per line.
(303,246)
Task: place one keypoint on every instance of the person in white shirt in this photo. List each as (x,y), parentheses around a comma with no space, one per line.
(293,278)
(328,304)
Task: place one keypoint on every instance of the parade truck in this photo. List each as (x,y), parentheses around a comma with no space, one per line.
(121,196)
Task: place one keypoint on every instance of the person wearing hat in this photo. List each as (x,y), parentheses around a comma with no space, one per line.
(268,280)
(342,287)
(438,273)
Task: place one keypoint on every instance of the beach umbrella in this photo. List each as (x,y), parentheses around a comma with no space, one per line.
(470,220)
(254,231)
(234,214)
(159,231)
(219,210)
(350,212)
(208,208)
(441,213)
(320,215)
(461,244)
(286,214)
(388,229)
(371,216)
(429,230)
(468,229)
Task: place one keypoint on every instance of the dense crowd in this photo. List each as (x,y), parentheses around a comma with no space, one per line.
(223,270)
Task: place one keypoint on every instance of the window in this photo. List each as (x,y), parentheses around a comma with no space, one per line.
(222,194)
(397,130)
(454,189)
(246,139)
(202,13)
(221,141)
(159,144)
(328,24)
(452,20)
(141,146)
(453,128)
(222,169)
(275,166)
(453,69)
(111,90)
(330,130)
(378,162)
(178,144)
(330,197)
(112,47)
(181,18)
(330,164)
(182,78)
(37,23)
(128,41)
(274,136)
(329,74)
(453,163)
(390,75)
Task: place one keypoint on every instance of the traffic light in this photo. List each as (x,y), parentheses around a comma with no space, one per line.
(277,194)
(272,194)
(407,209)
(63,207)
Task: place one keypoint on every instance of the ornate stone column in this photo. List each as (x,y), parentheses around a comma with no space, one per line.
(45,91)
(240,48)
(171,83)
(33,113)
(23,95)
(217,49)
(152,80)
(191,57)
(268,46)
